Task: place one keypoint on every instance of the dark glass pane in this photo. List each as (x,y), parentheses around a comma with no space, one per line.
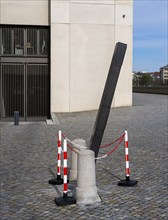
(44,41)
(18,41)
(6,47)
(31,41)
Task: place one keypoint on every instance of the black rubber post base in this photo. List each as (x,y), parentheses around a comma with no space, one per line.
(127,182)
(56,181)
(65,200)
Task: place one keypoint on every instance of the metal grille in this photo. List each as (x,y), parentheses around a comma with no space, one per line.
(12,89)
(37,90)
(32,41)
(6,46)
(25,88)
(24,72)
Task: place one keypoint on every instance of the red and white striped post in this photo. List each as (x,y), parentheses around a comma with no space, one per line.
(59,155)
(127,181)
(58,180)
(127,170)
(65,179)
(65,200)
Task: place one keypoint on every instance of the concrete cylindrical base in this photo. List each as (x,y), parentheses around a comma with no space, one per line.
(86,190)
(73,170)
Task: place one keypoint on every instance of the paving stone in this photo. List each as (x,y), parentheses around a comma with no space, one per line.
(29,158)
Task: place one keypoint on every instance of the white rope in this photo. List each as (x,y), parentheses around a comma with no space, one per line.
(102,157)
(78,147)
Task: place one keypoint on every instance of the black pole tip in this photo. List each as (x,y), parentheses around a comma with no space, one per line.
(56,181)
(128,183)
(65,200)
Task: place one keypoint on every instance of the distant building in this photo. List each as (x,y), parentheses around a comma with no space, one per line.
(55,55)
(137,77)
(164,74)
(155,75)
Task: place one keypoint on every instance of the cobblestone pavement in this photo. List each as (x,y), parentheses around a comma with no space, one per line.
(28,161)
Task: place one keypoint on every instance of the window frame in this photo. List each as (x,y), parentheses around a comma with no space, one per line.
(25,42)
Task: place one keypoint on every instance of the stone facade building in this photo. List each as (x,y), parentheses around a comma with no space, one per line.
(164,74)
(55,54)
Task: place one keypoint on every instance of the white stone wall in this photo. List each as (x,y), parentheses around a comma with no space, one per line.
(123,33)
(83,37)
(24,12)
